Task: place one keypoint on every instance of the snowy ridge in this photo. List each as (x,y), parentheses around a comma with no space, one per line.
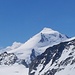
(14,46)
(69,39)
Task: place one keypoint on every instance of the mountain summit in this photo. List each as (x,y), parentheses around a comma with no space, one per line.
(47,30)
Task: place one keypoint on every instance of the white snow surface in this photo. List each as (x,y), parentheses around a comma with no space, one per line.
(13,70)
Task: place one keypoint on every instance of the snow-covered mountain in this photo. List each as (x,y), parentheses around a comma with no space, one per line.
(26,53)
(37,44)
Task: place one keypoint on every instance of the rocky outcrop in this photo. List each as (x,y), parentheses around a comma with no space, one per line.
(7,58)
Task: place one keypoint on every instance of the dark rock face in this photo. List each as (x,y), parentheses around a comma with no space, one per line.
(7,58)
(52,54)
(22,61)
(51,72)
(33,56)
(66,61)
(47,56)
(43,38)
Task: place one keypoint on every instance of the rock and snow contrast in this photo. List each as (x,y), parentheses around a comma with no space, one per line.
(47,53)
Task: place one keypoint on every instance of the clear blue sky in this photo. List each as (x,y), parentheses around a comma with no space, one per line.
(21,19)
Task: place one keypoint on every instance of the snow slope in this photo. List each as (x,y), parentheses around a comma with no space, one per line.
(13,70)
(15,45)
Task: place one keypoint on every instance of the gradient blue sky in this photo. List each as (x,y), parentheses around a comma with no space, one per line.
(21,19)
